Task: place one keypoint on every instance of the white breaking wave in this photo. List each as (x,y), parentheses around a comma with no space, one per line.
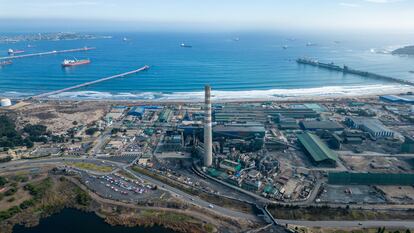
(273,94)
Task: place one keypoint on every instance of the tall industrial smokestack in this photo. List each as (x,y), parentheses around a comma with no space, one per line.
(208,139)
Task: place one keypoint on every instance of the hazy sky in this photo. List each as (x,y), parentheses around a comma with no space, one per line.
(396,15)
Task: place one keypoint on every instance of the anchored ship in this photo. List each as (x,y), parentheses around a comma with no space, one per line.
(12,52)
(185,45)
(69,63)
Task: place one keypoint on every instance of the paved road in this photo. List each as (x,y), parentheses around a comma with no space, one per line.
(17,165)
(194,199)
(341,224)
(375,154)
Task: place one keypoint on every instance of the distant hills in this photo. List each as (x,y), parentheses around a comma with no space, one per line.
(407,50)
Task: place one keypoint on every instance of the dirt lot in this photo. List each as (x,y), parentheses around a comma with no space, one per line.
(375,163)
(59,116)
(399,194)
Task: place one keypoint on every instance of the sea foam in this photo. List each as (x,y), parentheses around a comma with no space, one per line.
(272,94)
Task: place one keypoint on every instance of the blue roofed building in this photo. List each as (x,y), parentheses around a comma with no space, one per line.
(137,111)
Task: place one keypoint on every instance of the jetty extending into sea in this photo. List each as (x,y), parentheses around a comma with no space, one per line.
(44,95)
(47,53)
(347,70)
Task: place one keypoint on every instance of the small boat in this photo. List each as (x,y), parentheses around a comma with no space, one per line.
(70,63)
(310,44)
(236,39)
(185,45)
(285,46)
(5,63)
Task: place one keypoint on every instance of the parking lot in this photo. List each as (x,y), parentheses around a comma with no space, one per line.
(352,194)
(120,188)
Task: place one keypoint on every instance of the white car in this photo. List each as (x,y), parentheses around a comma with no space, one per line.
(210,206)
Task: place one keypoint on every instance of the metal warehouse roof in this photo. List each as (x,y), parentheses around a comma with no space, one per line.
(316,147)
(238,128)
(371,123)
(329,125)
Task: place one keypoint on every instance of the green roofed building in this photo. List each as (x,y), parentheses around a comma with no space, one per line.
(317,149)
(217,174)
(165,115)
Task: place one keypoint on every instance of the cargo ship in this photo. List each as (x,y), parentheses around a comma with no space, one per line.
(69,63)
(12,52)
(185,45)
(5,63)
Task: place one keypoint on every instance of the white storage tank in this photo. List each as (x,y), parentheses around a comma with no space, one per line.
(5,102)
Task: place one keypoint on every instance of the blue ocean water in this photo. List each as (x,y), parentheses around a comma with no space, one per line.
(256,65)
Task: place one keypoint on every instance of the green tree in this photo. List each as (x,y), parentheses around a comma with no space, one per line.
(3,181)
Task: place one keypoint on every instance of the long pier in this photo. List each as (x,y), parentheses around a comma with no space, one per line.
(146,67)
(48,53)
(347,70)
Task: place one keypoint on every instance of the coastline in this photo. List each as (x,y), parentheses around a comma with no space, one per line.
(331,93)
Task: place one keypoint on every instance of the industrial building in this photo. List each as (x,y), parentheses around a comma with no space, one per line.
(251,185)
(226,114)
(230,166)
(408,145)
(292,113)
(287,122)
(315,107)
(239,131)
(370,125)
(319,152)
(5,102)
(405,99)
(165,115)
(353,137)
(137,111)
(321,125)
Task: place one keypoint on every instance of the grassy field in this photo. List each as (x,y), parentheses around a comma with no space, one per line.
(179,222)
(91,166)
(47,195)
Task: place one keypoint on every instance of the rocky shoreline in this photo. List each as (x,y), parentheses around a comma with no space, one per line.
(406,50)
